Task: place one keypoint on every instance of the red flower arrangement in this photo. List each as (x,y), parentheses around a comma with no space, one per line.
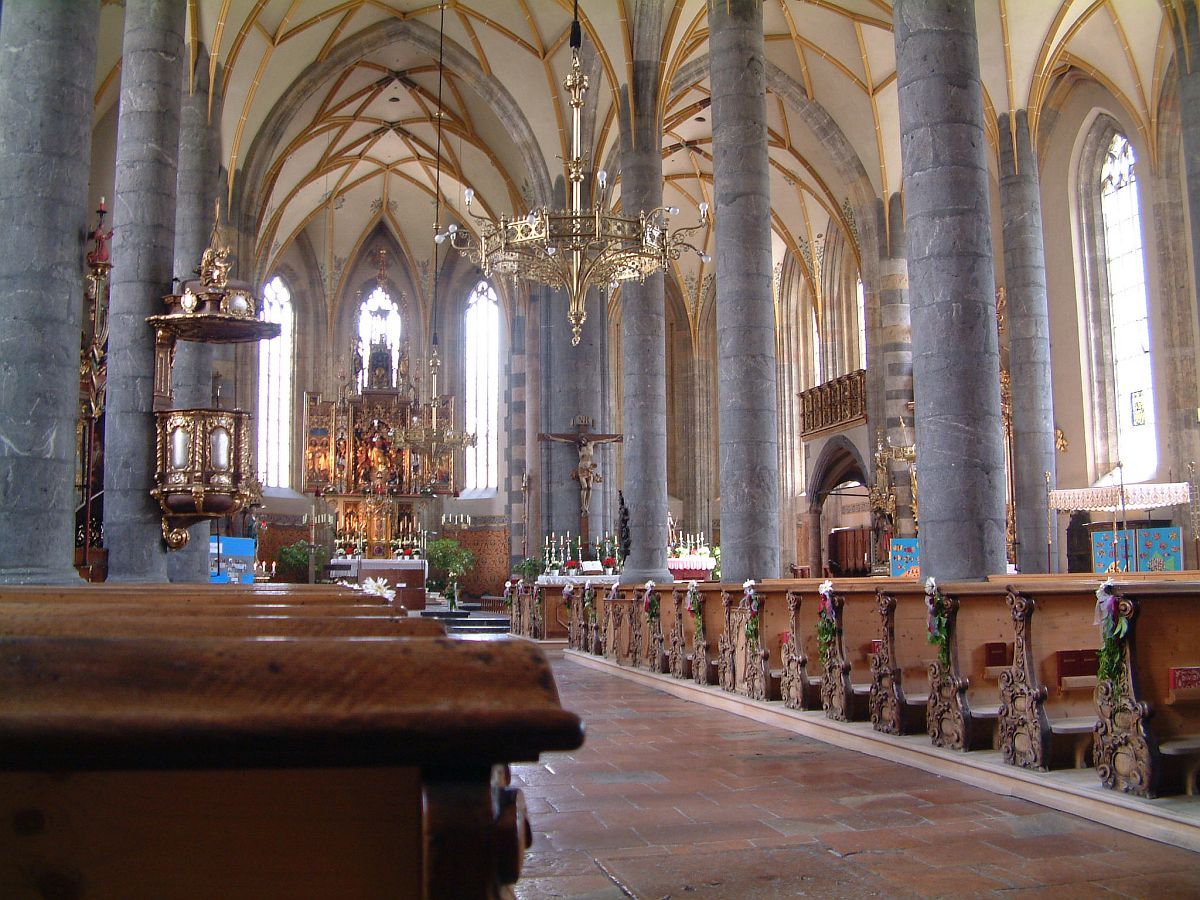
(608,562)
(572,564)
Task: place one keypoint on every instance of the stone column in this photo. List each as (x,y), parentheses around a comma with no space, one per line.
(143,255)
(747,402)
(896,352)
(47,71)
(198,186)
(1028,343)
(643,320)
(1187,55)
(956,367)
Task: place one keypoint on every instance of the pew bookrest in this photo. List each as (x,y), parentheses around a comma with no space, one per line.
(153,761)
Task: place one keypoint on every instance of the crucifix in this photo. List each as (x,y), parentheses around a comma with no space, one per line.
(587,473)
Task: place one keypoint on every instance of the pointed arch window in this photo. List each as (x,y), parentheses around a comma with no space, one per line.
(275,364)
(1123,421)
(1129,318)
(378,338)
(481,380)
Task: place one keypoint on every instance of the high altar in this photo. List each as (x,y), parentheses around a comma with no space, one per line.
(378,454)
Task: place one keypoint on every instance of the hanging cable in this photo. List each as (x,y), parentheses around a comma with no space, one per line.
(437,182)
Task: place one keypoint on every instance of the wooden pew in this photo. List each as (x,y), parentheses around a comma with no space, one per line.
(112,620)
(1148,736)
(900,679)
(241,768)
(1035,722)
(964,701)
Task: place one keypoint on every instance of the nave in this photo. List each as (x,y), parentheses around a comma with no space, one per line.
(668,798)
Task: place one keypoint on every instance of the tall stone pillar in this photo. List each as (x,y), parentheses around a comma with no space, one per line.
(643,318)
(1028,343)
(746,376)
(47,72)
(956,366)
(143,256)
(571,388)
(1187,55)
(896,352)
(198,186)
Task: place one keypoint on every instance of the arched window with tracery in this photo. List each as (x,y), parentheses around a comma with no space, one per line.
(1117,306)
(378,339)
(481,382)
(275,364)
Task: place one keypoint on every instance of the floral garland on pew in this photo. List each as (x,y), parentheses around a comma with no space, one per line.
(753,603)
(694,605)
(376,587)
(1112,630)
(826,623)
(614,593)
(508,595)
(650,602)
(589,600)
(937,620)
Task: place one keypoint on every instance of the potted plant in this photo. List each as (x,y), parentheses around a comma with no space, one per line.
(609,563)
(293,562)
(529,568)
(572,567)
(450,559)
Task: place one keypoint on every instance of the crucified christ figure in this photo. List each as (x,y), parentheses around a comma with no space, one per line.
(587,473)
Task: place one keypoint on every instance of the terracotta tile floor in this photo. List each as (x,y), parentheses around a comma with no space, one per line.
(671,799)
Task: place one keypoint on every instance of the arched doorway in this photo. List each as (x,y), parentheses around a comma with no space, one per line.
(839,511)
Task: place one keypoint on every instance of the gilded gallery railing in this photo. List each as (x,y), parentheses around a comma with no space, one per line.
(835,404)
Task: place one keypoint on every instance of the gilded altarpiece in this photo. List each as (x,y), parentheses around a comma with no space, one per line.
(375,456)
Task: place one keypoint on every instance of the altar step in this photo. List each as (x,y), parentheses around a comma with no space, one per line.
(468,620)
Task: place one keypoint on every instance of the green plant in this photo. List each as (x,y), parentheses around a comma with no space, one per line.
(826,621)
(447,556)
(529,568)
(938,621)
(292,564)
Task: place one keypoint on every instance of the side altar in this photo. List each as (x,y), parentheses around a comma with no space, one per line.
(380,455)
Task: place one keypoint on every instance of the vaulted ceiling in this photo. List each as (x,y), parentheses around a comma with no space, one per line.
(328,108)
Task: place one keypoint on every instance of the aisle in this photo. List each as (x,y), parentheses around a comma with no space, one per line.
(671,799)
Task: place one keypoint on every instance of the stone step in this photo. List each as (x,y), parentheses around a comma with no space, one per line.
(445,614)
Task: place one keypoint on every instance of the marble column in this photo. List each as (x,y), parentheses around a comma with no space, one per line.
(956,366)
(643,322)
(198,187)
(896,352)
(746,375)
(1028,343)
(143,256)
(47,72)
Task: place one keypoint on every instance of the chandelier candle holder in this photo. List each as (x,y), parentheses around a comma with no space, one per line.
(577,248)
(204,468)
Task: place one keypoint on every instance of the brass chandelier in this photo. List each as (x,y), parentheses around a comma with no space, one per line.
(577,248)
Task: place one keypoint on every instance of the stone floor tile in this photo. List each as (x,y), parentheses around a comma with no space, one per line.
(672,799)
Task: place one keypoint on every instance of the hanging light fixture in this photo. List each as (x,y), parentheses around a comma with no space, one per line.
(577,248)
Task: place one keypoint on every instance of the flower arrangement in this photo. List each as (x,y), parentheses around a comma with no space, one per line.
(614,593)
(571,564)
(650,601)
(452,594)
(568,592)
(589,600)
(937,620)
(1112,630)
(609,562)
(753,603)
(376,587)
(694,605)
(826,627)
(508,594)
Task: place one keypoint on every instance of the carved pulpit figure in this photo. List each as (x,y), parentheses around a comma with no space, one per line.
(587,473)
